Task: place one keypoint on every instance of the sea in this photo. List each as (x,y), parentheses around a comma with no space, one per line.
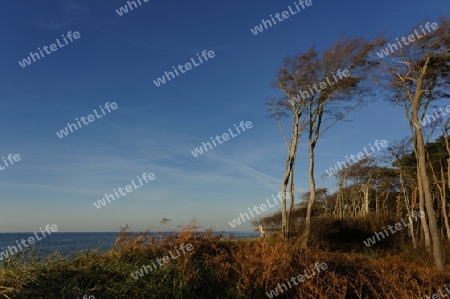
(70,243)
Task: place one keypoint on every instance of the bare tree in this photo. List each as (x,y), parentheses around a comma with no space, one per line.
(417,75)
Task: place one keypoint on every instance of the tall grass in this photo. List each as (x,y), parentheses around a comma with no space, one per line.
(216,268)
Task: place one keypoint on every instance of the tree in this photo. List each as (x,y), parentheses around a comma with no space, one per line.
(436,156)
(340,72)
(288,107)
(399,150)
(417,75)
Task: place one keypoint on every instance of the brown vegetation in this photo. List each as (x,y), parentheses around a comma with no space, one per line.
(220,268)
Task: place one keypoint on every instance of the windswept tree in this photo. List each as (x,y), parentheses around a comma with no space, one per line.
(321,89)
(417,75)
(283,108)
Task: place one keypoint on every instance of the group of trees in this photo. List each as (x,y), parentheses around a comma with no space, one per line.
(415,77)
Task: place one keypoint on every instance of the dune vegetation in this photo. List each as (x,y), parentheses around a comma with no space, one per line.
(219,267)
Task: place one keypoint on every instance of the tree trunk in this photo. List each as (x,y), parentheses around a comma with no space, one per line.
(447,146)
(408,209)
(290,227)
(339,206)
(312,195)
(425,184)
(283,199)
(288,178)
(444,208)
(365,209)
(423,220)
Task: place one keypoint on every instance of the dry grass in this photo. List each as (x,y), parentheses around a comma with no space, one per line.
(216,268)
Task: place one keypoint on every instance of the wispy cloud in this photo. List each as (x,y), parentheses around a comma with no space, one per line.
(67,13)
(48,188)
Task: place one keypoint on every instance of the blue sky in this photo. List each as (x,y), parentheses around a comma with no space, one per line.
(154,128)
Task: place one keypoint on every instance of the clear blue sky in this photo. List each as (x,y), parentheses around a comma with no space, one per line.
(154,129)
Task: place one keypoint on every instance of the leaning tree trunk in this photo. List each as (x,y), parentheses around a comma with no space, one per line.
(425,183)
(423,220)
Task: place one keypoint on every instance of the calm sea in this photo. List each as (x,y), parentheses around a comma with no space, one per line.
(68,243)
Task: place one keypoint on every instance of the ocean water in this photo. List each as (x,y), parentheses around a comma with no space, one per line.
(69,243)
